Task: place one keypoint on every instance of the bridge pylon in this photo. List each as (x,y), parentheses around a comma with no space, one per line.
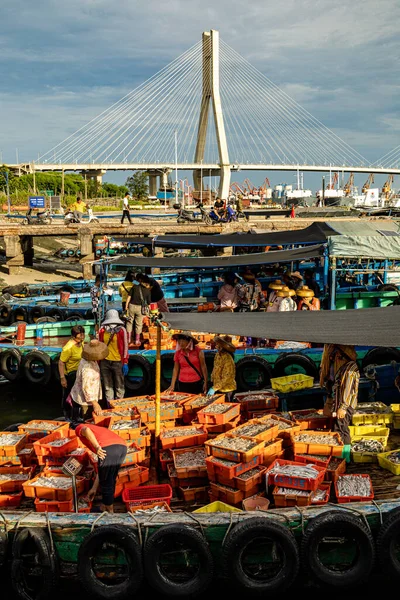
(211,93)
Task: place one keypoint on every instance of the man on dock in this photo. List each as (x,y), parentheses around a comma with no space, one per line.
(125,209)
(78,208)
(114,367)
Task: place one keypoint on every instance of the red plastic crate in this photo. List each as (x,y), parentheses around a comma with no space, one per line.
(147,493)
(321,461)
(346,499)
(11,500)
(326,485)
(216,467)
(298,483)
(42,447)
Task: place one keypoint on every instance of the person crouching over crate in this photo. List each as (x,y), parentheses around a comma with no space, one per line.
(224,370)
(111,451)
(340,376)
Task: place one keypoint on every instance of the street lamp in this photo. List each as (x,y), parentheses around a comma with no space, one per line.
(7,191)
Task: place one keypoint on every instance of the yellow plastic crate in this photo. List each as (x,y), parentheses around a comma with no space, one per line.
(396,421)
(395,408)
(368,430)
(364,457)
(380,417)
(291,383)
(387,464)
(217,506)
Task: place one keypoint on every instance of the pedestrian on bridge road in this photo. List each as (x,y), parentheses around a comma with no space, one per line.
(114,367)
(125,209)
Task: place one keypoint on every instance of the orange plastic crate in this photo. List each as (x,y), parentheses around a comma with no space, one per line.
(213,447)
(27,457)
(257,400)
(11,500)
(147,493)
(168,411)
(144,440)
(199,470)
(42,447)
(12,451)
(175,481)
(111,412)
(264,436)
(323,449)
(36,429)
(230,496)
(135,454)
(36,491)
(272,448)
(128,402)
(151,426)
(321,461)
(293,481)
(307,422)
(12,485)
(214,430)
(149,505)
(217,467)
(324,486)
(346,499)
(136,475)
(181,440)
(283,433)
(10,460)
(335,468)
(247,481)
(232,411)
(292,499)
(54,506)
(193,494)
(268,460)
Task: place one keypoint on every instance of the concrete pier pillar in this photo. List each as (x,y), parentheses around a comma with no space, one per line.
(27,249)
(95,174)
(153,187)
(14,254)
(85,237)
(158,252)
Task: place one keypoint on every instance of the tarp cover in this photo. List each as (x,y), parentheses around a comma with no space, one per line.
(364,327)
(379,247)
(219,261)
(314,234)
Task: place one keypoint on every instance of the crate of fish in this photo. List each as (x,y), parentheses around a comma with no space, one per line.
(219,412)
(37,429)
(52,487)
(268,459)
(261,431)
(396,415)
(246,481)
(372,413)
(150,508)
(12,478)
(135,454)
(257,400)
(191,407)
(286,427)
(292,383)
(362,431)
(182,437)
(165,458)
(131,401)
(27,456)
(134,474)
(390,461)
(285,497)
(56,444)
(144,439)
(193,493)
(336,467)
(214,430)
(287,473)
(383,438)
(322,494)
(189,462)
(168,410)
(176,481)
(317,442)
(179,397)
(354,488)
(312,459)
(272,448)
(126,429)
(235,448)
(227,468)
(127,413)
(227,494)
(11,499)
(146,494)
(10,444)
(367,450)
(151,426)
(311,418)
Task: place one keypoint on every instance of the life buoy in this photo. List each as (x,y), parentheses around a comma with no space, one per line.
(36,367)
(242,541)
(338,525)
(31,548)
(167,366)
(20,314)
(386,543)
(57,314)
(380,356)
(181,537)
(252,373)
(5,314)
(292,363)
(139,383)
(118,537)
(3,547)
(10,364)
(35,313)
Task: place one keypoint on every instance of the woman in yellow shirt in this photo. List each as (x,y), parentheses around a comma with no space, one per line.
(224,370)
(125,288)
(69,362)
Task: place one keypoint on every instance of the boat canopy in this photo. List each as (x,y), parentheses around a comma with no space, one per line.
(366,327)
(185,262)
(377,247)
(316,233)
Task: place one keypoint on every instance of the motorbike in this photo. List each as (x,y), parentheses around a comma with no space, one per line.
(40,218)
(189,216)
(230,215)
(70,217)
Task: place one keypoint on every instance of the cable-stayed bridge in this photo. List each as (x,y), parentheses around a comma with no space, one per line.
(212,112)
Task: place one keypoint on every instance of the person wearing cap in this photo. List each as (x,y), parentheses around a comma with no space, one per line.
(111,451)
(224,370)
(249,292)
(273,298)
(114,368)
(137,307)
(227,294)
(156,293)
(297,279)
(307,300)
(125,288)
(309,279)
(286,299)
(86,392)
(68,364)
(190,370)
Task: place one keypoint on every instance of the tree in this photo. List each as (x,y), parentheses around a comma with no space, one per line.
(138,186)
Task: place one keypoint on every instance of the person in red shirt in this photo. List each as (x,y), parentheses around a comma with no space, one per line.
(190,369)
(111,451)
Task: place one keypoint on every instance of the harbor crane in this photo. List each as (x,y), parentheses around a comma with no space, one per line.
(348,186)
(333,182)
(367,184)
(387,187)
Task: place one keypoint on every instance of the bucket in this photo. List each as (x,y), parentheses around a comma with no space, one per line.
(21,330)
(39,335)
(257,503)
(153,307)
(64,297)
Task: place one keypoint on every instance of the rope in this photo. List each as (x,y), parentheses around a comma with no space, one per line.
(4,521)
(380,511)
(50,533)
(187,514)
(301,518)
(98,519)
(139,528)
(353,510)
(229,528)
(22,518)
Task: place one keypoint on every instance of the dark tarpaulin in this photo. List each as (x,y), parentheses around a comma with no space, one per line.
(219,261)
(363,327)
(314,234)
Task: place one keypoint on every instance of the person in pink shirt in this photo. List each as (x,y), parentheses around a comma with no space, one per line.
(190,369)
(228,293)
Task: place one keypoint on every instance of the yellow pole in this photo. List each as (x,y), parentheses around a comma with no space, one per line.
(158,383)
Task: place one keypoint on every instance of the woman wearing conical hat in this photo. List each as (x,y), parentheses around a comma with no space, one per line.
(273,298)
(307,299)
(286,299)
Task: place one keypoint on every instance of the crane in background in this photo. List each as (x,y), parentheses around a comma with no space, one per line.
(367,184)
(236,189)
(252,189)
(387,187)
(333,182)
(348,186)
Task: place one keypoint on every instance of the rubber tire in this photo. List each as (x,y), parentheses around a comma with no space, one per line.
(3,547)
(264,366)
(9,352)
(54,367)
(35,310)
(75,317)
(46,319)
(285,360)
(27,362)
(47,560)
(380,356)
(123,537)
(240,537)
(89,316)
(317,529)
(388,533)
(195,541)
(207,220)
(388,287)
(21,311)
(59,315)
(167,361)
(145,386)
(13,427)
(5,314)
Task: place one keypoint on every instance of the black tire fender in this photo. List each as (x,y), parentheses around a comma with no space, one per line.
(380,356)
(75,317)
(305,363)
(336,524)
(145,384)
(8,355)
(13,427)
(89,316)
(57,313)
(387,540)
(241,538)
(45,559)
(265,373)
(388,287)
(27,364)
(122,537)
(3,547)
(5,314)
(54,367)
(182,536)
(167,362)
(35,313)
(46,320)
(20,314)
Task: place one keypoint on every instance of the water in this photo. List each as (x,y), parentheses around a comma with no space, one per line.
(22,402)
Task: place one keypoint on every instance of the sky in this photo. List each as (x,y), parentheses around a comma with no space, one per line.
(62,63)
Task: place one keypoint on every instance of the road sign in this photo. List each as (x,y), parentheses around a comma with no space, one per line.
(50,192)
(37,202)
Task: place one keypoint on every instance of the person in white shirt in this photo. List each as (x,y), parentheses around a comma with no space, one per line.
(286,301)
(273,298)
(125,209)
